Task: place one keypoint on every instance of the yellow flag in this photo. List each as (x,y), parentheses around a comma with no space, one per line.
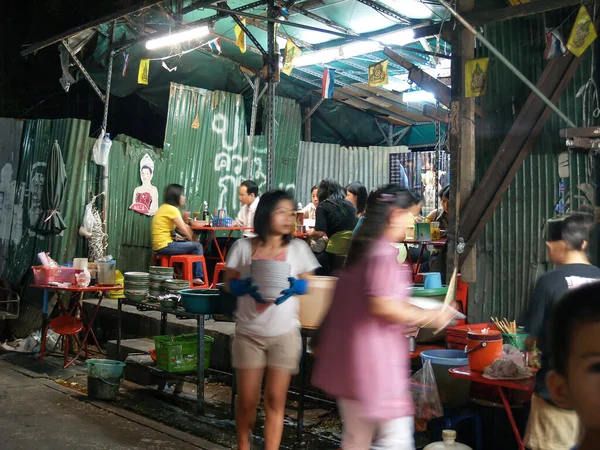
(291,52)
(240,37)
(144,71)
(476,77)
(378,74)
(582,34)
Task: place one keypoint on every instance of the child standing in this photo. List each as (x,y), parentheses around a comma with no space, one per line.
(267,335)
(574,381)
(362,353)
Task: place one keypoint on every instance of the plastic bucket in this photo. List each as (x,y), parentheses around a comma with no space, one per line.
(315,304)
(483,348)
(104,378)
(453,391)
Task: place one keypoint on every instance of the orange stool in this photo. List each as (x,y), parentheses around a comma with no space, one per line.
(65,326)
(462,297)
(219,267)
(187,261)
(160,260)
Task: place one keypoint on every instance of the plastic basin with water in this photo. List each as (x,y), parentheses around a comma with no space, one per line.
(453,391)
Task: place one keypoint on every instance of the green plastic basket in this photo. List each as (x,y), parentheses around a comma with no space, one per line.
(518,340)
(180,353)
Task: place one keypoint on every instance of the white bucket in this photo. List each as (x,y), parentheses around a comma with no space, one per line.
(315,304)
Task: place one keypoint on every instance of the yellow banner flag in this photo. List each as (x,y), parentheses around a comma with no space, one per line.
(476,77)
(144,71)
(582,34)
(240,37)
(291,52)
(378,74)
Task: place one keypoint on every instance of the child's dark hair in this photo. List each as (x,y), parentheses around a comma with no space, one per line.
(445,192)
(580,306)
(172,194)
(360,191)
(251,187)
(330,190)
(264,211)
(573,230)
(381,203)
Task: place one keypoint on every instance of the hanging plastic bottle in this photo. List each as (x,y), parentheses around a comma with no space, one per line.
(448,442)
(101,150)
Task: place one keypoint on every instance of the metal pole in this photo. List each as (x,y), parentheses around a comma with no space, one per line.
(255,100)
(270,93)
(508,64)
(111,57)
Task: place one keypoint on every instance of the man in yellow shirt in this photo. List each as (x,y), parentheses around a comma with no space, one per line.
(164,223)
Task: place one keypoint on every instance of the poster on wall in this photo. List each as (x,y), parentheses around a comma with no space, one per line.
(145,197)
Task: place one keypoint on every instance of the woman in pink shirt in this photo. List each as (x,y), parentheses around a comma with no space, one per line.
(362,353)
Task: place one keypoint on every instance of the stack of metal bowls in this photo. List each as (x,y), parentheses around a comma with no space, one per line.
(136,286)
(172,286)
(158,275)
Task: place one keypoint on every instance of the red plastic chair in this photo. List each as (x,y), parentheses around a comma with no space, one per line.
(160,260)
(462,297)
(219,267)
(187,261)
(65,326)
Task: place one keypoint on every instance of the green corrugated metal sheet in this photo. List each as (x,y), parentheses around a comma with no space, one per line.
(511,252)
(38,135)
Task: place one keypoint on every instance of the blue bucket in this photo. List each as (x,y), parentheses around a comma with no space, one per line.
(104,378)
(453,392)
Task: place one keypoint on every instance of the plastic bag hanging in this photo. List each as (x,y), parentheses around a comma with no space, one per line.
(87,225)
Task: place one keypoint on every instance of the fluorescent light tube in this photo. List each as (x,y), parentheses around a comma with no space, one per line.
(418,96)
(176,38)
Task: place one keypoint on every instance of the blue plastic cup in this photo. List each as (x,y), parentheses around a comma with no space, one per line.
(433,280)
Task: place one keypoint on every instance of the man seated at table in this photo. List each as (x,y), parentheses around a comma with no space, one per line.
(551,427)
(248,196)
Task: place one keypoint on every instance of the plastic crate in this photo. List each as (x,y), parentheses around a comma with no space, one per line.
(180,353)
(48,275)
(222,222)
(456,337)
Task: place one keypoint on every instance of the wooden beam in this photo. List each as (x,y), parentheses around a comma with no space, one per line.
(513,12)
(516,146)
(590,132)
(441,115)
(421,78)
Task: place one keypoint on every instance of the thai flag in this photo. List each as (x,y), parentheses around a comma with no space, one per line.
(328,83)
(215,46)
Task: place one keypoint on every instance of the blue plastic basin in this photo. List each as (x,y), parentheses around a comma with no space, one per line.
(452,358)
(453,391)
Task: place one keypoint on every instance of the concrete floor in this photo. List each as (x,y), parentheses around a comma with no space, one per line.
(37,413)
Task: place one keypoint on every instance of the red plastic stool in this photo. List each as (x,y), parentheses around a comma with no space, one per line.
(219,267)
(65,326)
(187,261)
(160,260)
(462,296)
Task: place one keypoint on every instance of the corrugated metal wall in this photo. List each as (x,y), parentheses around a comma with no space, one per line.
(369,165)
(511,252)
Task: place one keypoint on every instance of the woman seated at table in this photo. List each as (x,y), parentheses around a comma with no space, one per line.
(437,260)
(356,193)
(441,214)
(414,217)
(335,218)
(170,234)
(310,212)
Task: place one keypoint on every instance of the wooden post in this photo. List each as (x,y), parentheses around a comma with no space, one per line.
(462,144)
(307,123)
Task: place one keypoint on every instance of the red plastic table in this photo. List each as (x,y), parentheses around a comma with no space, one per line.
(213,237)
(527,385)
(76,295)
(423,244)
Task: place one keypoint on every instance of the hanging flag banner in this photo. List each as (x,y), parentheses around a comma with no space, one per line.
(215,46)
(125,63)
(291,52)
(144,71)
(582,34)
(240,37)
(328,83)
(476,77)
(555,45)
(378,74)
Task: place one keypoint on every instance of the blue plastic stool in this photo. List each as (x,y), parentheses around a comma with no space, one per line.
(452,417)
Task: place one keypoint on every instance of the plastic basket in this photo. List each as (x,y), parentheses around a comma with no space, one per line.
(48,275)
(180,353)
(226,222)
(518,340)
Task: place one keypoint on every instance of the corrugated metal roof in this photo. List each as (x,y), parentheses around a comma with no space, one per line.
(511,253)
(369,165)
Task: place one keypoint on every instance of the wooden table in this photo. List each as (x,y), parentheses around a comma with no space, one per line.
(213,237)
(416,265)
(526,385)
(76,294)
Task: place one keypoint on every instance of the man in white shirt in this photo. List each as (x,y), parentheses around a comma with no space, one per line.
(248,196)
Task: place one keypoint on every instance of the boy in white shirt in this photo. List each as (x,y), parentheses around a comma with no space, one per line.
(248,196)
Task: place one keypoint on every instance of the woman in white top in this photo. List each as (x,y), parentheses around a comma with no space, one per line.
(267,334)
(310,210)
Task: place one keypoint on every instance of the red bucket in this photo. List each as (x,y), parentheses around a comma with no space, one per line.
(483,348)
